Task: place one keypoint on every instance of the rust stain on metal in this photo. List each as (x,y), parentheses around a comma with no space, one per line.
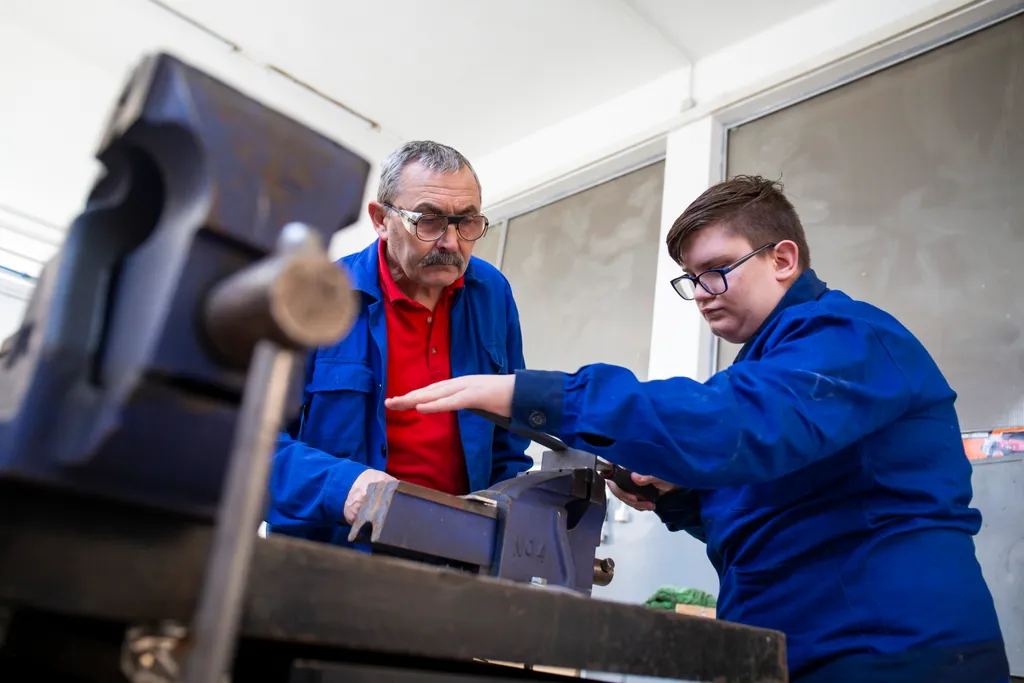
(284,159)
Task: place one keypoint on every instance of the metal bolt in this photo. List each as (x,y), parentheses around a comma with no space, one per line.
(604,571)
(149,653)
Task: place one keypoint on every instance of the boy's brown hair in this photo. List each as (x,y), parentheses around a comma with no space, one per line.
(750,206)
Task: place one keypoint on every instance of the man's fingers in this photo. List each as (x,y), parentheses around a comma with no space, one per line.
(424,395)
(413,398)
(630,499)
(642,479)
(352,506)
(619,493)
(457,401)
(660,484)
(407,402)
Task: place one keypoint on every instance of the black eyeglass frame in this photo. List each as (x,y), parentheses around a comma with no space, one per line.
(411,219)
(722,272)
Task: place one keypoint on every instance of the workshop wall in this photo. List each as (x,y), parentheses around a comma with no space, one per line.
(67,60)
(908,184)
(583,291)
(544,163)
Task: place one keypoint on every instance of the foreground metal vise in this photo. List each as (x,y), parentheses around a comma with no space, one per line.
(126,376)
(155,362)
(542,526)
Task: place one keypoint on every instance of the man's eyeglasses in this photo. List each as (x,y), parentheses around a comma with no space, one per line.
(430,227)
(712,281)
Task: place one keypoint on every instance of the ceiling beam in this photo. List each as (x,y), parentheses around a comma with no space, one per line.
(653,22)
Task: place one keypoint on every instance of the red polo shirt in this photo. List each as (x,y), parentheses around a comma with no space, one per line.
(422,449)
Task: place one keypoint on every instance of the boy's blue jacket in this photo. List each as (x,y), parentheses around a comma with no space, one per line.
(826,473)
(342,433)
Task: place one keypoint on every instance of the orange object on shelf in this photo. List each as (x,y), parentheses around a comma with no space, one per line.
(996,443)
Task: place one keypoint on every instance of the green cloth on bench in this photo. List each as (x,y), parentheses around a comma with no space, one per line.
(667,597)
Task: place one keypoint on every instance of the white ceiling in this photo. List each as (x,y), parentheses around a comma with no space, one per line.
(480,74)
(699,28)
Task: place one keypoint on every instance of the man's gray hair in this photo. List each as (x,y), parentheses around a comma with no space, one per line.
(432,155)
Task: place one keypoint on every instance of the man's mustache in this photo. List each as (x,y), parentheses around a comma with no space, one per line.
(442,258)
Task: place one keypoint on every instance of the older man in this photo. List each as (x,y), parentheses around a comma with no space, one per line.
(429,312)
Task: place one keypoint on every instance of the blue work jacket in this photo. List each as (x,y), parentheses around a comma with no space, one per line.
(826,473)
(342,429)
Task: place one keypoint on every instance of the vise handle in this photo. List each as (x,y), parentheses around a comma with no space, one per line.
(620,475)
(624,480)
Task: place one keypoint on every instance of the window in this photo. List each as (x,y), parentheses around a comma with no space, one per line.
(908,182)
(582,271)
(488,247)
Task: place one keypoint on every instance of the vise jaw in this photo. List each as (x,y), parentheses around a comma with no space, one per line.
(541,527)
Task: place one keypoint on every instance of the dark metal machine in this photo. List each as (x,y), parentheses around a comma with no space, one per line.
(141,330)
(139,406)
(542,527)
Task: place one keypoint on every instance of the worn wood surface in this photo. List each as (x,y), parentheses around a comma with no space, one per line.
(83,557)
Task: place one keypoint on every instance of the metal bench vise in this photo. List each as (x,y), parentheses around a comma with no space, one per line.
(542,527)
(127,373)
(155,363)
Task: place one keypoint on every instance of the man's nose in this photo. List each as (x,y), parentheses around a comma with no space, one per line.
(701,294)
(450,239)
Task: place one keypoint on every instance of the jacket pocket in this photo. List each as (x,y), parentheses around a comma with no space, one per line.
(340,376)
(341,394)
(498,359)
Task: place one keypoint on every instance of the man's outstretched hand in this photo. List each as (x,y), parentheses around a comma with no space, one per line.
(492,393)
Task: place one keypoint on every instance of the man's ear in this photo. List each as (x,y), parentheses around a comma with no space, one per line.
(377,214)
(787,260)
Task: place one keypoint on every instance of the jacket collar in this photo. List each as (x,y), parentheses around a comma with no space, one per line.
(364,270)
(807,287)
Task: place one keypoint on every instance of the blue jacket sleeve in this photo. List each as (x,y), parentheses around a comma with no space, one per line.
(308,487)
(826,382)
(509,456)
